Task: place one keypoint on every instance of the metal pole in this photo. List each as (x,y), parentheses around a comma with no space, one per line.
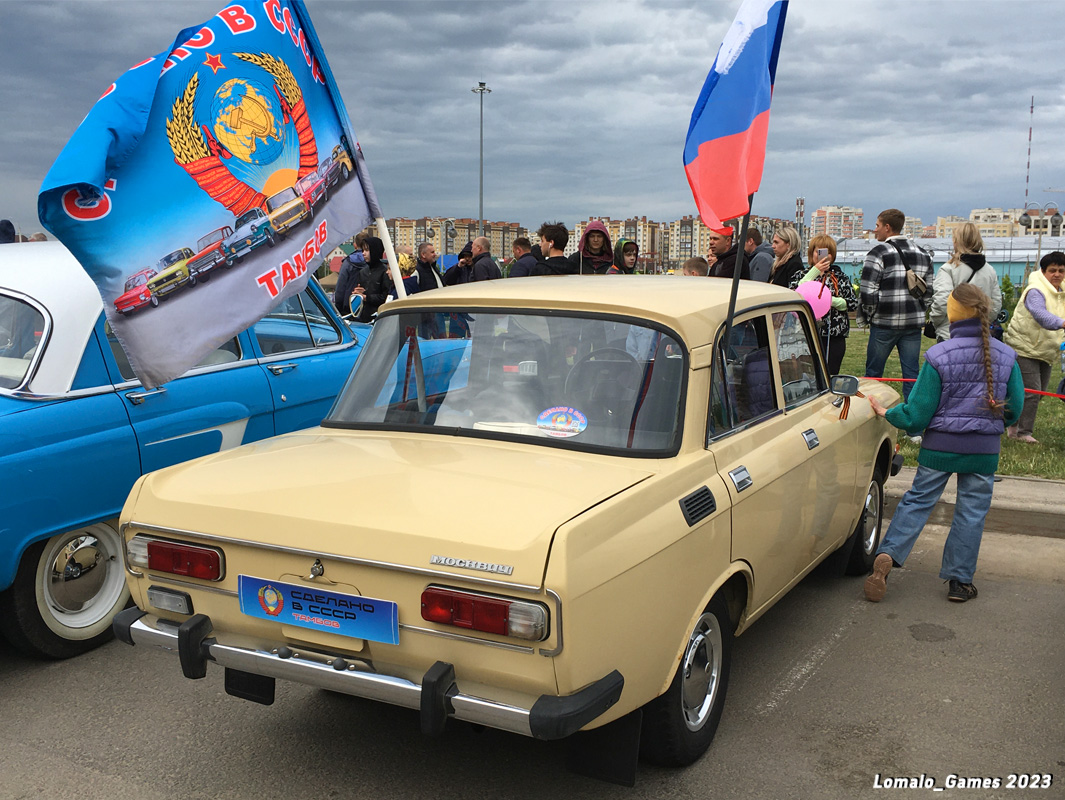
(480,89)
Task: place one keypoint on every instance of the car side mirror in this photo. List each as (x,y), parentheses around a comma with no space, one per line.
(843,385)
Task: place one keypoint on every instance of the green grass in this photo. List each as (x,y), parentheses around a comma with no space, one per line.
(1043,460)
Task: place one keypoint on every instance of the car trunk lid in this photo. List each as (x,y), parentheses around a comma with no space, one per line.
(484,507)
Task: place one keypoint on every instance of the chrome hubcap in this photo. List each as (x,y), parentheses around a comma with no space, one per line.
(872,518)
(702,671)
(81,576)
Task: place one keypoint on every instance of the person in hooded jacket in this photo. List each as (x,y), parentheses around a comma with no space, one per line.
(594,254)
(966,265)
(462,272)
(374,281)
(626,252)
(349,272)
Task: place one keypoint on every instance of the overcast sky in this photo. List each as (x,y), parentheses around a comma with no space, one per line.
(922,105)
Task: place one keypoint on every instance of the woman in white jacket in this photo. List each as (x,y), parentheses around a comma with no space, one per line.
(966,265)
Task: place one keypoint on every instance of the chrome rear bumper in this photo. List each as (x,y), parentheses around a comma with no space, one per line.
(438,696)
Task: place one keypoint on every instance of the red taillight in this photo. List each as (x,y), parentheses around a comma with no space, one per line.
(185,559)
(475,612)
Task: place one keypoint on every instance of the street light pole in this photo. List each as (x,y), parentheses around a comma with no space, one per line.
(1026,222)
(481,88)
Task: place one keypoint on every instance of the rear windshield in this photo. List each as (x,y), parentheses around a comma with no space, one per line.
(21,328)
(572,381)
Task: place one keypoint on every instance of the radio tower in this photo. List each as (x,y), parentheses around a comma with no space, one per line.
(1028,168)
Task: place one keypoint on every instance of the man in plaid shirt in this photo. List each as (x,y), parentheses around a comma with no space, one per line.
(895,316)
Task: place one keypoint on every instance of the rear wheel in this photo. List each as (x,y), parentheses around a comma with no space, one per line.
(679,725)
(344,171)
(66,593)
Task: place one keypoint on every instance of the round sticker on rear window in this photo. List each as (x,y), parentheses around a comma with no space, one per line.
(561,421)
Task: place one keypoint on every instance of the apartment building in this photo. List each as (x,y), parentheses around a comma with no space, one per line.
(438,230)
(839,222)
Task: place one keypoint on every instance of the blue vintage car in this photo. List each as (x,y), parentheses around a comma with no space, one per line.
(77,429)
(252,229)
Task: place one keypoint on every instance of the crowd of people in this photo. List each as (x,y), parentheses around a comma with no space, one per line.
(8,235)
(969,391)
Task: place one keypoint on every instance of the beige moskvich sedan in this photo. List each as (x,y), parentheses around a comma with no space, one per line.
(543,505)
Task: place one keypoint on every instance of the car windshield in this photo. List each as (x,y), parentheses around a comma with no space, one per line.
(248,216)
(323,169)
(21,327)
(282,197)
(305,183)
(139,279)
(579,382)
(172,258)
(211,238)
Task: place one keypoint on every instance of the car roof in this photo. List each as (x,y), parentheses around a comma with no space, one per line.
(49,274)
(694,307)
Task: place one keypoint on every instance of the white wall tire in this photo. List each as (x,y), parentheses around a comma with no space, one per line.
(66,593)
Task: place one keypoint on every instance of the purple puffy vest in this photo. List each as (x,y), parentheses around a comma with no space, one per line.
(960,363)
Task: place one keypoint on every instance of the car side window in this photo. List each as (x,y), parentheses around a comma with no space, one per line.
(800,369)
(742,384)
(226,353)
(21,328)
(298,323)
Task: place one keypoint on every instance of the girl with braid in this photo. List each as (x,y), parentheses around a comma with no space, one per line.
(968,390)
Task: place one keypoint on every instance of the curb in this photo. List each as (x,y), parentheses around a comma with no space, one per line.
(1032,506)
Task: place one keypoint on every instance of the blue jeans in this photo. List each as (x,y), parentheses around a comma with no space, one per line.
(882,341)
(966,529)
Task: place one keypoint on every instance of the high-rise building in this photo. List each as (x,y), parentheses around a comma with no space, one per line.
(839,222)
(800,217)
(913,227)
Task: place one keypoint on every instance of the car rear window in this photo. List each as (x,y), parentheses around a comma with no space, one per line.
(581,382)
(21,329)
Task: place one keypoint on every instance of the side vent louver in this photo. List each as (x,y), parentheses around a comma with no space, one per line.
(698,505)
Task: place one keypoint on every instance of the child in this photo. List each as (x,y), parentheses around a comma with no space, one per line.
(967,392)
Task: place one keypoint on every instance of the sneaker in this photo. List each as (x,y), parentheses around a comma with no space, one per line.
(876,584)
(960,592)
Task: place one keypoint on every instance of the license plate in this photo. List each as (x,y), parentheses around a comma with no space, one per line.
(319,609)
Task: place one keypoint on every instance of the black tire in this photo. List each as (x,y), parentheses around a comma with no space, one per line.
(48,613)
(679,725)
(860,548)
(192,279)
(204,277)
(344,171)
(154,301)
(271,239)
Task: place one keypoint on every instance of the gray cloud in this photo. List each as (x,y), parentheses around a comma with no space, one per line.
(920,105)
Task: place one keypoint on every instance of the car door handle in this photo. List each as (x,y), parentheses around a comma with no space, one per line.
(741,478)
(811,439)
(138,397)
(277,369)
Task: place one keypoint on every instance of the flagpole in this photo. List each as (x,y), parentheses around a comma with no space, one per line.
(390,254)
(741,253)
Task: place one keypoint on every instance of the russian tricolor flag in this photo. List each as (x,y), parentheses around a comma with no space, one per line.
(725,150)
